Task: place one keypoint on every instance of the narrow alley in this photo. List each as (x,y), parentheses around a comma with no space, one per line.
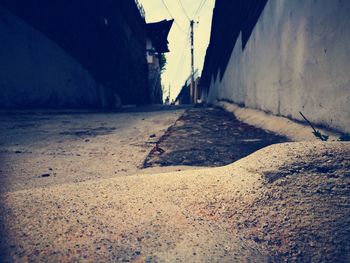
(78,146)
(72,199)
(153,131)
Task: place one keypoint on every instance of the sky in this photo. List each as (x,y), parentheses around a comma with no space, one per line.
(178,66)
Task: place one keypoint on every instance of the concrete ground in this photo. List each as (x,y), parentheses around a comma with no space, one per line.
(208,137)
(39,149)
(65,196)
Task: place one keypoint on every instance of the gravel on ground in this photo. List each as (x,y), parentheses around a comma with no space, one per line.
(256,209)
(208,137)
(65,197)
(44,148)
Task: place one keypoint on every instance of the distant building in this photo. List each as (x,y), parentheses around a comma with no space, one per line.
(190,94)
(156,45)
(75,54)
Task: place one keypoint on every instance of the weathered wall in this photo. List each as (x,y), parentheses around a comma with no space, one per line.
(35,72)
(296,59)
(107,38)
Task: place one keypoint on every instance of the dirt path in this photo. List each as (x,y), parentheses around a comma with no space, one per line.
(285,203)
(256,210)
(39,149)
(208,137)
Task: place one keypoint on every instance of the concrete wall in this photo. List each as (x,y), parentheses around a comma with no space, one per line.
(36,73)
(297,59)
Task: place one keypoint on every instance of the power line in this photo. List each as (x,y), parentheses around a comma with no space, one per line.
(166,7)
(184,10)
(199,9)
(182,56)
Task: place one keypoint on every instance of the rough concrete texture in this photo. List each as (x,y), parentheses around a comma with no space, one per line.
(296,59)
(208,137)
(35,72)
(301,212)
(287,202)
(294,131)
(67,194)
(38,149)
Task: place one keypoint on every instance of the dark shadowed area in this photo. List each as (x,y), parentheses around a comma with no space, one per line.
(208,137)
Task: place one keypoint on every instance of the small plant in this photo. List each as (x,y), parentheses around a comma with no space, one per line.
(162,62)
(318,134)
(321,136)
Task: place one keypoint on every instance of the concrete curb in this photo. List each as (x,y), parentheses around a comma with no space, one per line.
(293,130)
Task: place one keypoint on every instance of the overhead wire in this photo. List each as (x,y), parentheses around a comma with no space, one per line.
(199,9)
(177,24)
(184,10)
(183,53)
(182,56)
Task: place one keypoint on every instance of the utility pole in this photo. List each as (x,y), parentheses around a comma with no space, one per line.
(192,61)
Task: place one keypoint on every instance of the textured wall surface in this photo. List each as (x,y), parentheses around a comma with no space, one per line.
(296,59)
(35,72)
(107,38)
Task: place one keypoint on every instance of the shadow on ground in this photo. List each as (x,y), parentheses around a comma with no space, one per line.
(208,137)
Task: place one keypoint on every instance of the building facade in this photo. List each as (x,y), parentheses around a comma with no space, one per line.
(156,47)
(282,57)
(80,54)
(190,92)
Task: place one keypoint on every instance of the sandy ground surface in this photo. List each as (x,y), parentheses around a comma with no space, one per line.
(254,210)
(295,131)
(287,202)
(39,149)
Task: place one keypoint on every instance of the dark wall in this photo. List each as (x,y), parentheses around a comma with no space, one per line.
(107,37)
(184,96)
(230,18)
